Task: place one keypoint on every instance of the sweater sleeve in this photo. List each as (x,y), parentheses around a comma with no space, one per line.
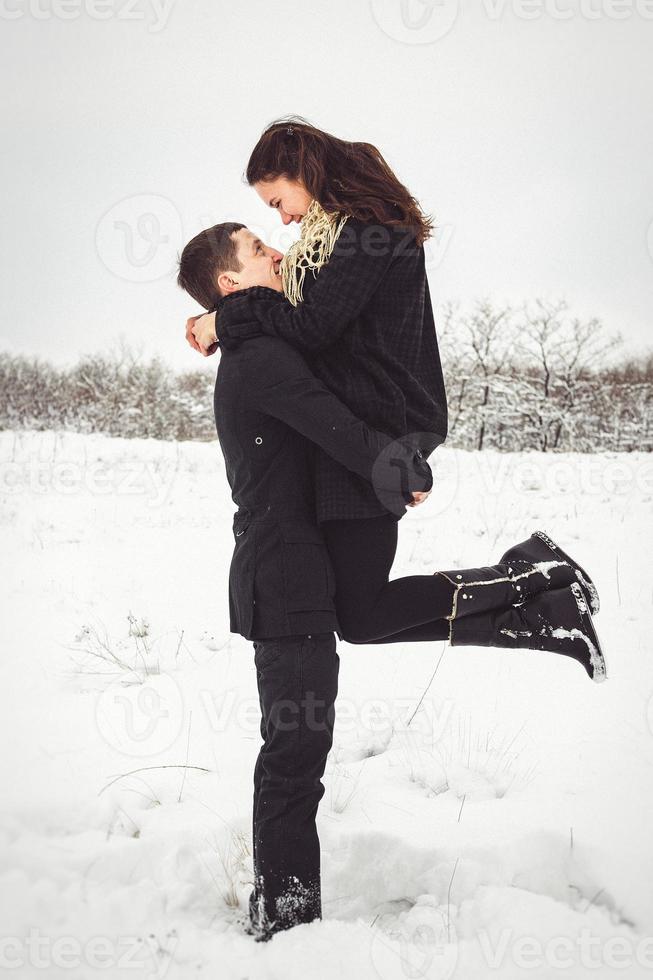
(360,260)
(287,390)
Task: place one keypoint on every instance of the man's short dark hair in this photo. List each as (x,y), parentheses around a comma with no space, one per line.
(203,259)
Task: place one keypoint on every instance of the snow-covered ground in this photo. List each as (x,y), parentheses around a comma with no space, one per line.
(499,824)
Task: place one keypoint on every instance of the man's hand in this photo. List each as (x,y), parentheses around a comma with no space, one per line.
(419,497)
(201,335)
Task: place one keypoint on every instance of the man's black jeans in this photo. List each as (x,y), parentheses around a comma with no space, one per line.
(297,679)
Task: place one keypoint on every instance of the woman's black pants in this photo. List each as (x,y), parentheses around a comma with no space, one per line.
(370,608)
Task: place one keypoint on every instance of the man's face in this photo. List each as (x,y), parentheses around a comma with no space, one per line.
(259,265)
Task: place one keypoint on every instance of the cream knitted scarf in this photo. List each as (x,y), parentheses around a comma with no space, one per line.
(312,250)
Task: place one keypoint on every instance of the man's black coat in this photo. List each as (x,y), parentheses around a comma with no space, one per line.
(269,411)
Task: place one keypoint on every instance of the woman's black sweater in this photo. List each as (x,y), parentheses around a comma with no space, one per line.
(366,328)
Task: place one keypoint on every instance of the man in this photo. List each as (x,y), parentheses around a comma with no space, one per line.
(269,411)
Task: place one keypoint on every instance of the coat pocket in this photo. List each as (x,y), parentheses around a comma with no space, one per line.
(266,652)
(309,578)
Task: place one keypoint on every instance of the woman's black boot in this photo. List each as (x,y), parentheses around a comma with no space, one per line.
(558,621)
(477,590)
(540,547)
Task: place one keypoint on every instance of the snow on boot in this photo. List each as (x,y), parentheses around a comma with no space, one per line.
(478,590)
(558,621)
(540,547)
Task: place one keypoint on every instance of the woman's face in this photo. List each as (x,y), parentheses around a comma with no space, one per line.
(289,197)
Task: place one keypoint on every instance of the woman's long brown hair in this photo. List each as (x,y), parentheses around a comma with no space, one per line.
(348,178)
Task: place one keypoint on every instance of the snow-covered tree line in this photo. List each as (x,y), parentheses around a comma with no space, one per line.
(538,378)
(528,378)
(119,393)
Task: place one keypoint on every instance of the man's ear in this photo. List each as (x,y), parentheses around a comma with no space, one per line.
(227,283)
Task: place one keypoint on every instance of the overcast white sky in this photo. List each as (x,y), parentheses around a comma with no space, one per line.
(525,127)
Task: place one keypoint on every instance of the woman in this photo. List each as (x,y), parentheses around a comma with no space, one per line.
(357,305)
(359,309)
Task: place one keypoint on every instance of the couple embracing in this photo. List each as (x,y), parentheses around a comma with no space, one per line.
(329,400)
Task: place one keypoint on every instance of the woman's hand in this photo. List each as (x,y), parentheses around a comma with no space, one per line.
(190,336)
(201,335)
(419,496)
